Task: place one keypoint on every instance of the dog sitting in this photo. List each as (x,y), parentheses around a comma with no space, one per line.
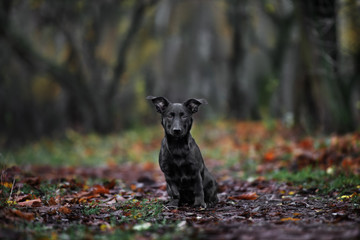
(188,180)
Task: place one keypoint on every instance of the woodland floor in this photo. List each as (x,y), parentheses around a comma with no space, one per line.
(297,189)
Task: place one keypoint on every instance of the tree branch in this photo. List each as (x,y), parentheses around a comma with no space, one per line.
(136,20)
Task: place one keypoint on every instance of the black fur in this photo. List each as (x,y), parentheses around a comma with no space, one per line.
(188,180)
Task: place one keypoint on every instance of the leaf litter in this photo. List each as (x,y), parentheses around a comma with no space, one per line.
(247,210)
(129,200)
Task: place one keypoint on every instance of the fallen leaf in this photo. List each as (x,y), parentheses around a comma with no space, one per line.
(24,215)
(98,189)
(22,198)
(290,219)
(33,181)
(52,202)
(307,143)
(110,185)
(7,184)
(65,210)
(30,203)
(269,156)
(245,196)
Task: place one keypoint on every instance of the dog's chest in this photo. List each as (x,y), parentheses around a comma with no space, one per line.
(178,161)
(179,169)
(182,171)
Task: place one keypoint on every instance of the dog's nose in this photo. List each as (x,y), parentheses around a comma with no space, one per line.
(176,131)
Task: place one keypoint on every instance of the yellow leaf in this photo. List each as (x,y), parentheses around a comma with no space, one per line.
(10,202)
(7,184)
(54,236)
(104,227)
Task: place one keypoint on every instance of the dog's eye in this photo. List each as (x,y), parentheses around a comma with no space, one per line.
(170,116)
(183,116)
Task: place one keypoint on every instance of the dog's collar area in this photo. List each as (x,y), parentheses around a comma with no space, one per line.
(177,141)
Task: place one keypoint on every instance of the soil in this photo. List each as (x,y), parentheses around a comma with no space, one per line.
(257,209)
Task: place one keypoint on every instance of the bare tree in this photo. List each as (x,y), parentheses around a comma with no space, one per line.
(89,81)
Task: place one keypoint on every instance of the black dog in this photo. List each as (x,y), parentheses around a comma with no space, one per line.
(188,180)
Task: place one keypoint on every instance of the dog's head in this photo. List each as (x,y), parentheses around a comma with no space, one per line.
(176,118)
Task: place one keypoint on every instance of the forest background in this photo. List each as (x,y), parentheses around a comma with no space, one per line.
(88,65)
(79,142)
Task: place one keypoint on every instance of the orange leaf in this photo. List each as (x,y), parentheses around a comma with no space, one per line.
(24,215)
(269,156)
(65,210)
(30,203)
(289,219)
(245,196)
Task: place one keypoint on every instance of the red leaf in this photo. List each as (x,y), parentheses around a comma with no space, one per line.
(98,189)
(307,143)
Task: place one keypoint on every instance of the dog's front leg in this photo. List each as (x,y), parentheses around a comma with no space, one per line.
(173,192)
(199,192)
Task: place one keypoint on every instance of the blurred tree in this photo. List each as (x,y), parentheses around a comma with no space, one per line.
(90,80)
(90,64)
(348,23)
(237,99)
(322,98)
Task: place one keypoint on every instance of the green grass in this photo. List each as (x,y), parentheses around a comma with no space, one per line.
(74,149)
(91,209)
(339,183)
(144,210)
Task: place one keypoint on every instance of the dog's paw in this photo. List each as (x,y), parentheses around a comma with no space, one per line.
(173,203)
(201,205)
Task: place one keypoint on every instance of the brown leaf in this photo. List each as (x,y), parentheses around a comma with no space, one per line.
(98,189)
(24,215)
(149,166)
(33,181)
(245,196)
(65,210)
(30,203)
(22,198)
(52,202)
(306,143)
(110,185)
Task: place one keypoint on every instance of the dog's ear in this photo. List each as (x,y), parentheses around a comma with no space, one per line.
(160,103)
(193,104)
